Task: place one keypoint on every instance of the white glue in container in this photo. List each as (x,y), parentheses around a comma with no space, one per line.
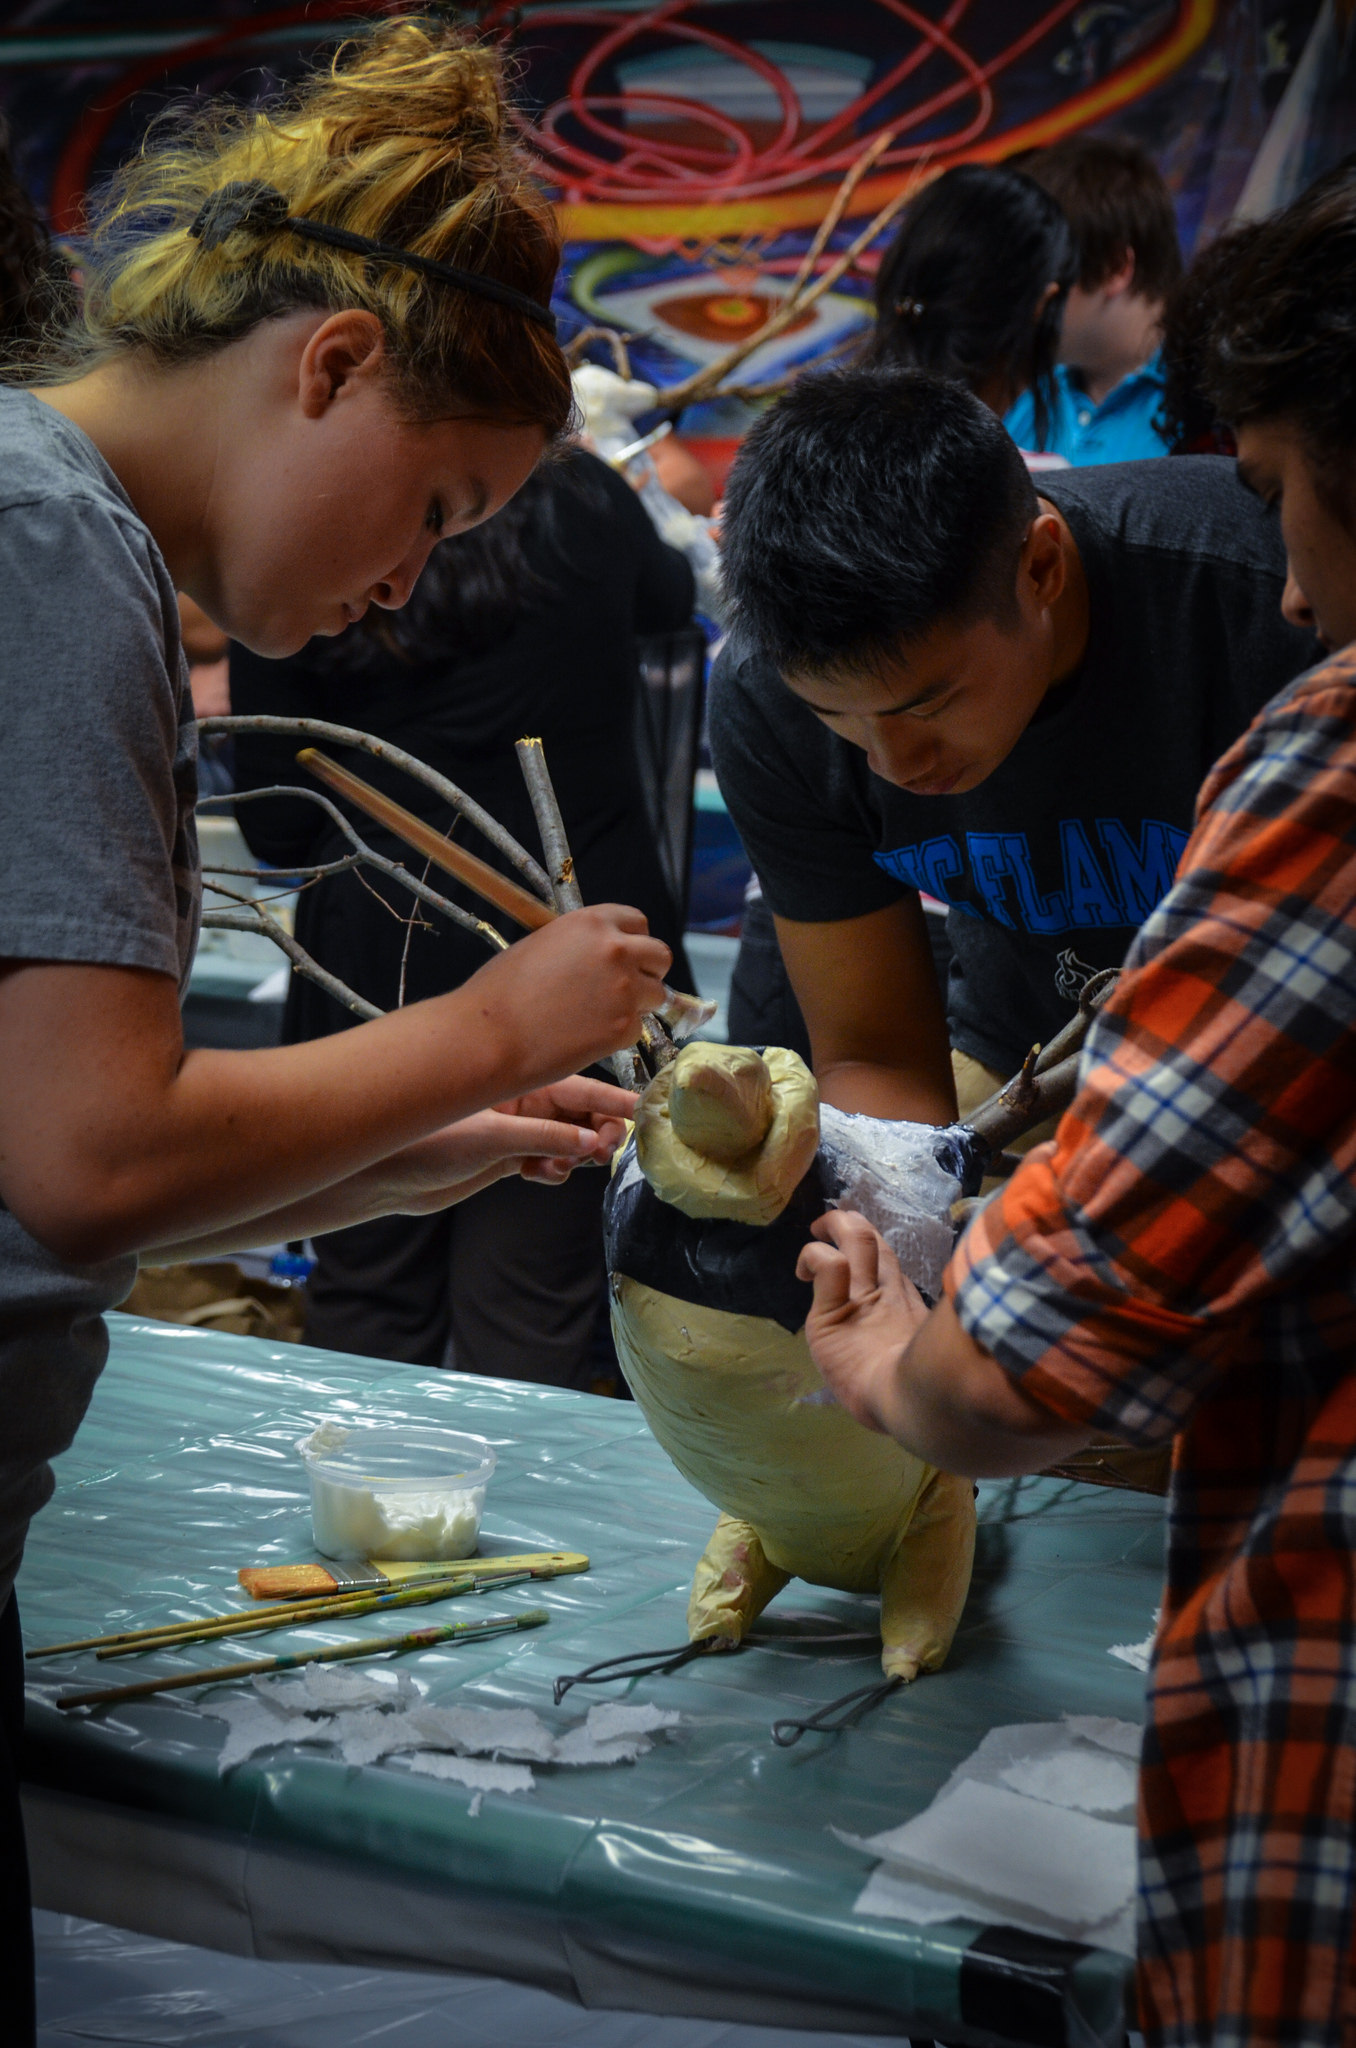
(395,1491)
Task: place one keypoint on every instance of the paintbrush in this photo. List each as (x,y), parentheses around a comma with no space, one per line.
(300,1616)
(318,1581)
(370,1646)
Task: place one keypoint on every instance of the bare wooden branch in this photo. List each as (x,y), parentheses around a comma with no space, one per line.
(856,172)
(1048,1079)
(574,348)
(252,917)
(703,383)
(565,892)
(628,1067)
(366,855)
(383,750)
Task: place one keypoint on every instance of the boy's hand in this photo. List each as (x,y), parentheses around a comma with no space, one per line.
(542,1136)
(864,1315)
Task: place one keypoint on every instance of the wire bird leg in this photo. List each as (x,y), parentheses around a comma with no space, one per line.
(638,1664)
(844,1712)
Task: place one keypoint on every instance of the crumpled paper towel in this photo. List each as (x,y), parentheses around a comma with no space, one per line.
(1034,1830)
(370,1718)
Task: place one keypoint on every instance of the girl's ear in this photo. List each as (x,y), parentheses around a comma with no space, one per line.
(344,353)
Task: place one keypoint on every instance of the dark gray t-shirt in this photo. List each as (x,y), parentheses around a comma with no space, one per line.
(1051,865)
(98,853)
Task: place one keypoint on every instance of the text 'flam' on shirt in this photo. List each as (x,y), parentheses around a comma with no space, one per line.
(992,875)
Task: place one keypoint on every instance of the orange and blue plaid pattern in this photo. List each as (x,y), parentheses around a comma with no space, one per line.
(1181,1262)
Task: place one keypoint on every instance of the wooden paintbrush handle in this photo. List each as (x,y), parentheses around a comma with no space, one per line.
(526,910)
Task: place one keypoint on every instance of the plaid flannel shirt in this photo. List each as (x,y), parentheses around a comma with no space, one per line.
(1181,1262)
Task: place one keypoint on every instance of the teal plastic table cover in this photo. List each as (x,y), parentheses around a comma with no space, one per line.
(704,1879)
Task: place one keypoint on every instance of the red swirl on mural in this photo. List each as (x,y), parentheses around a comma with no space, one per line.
(623,165)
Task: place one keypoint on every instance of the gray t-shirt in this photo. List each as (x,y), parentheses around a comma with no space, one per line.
(98,854)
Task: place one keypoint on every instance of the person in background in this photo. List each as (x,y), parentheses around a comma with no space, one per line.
(971,288)
(527,625)
(1109,383)
(1187,418)
(974,286)
(1181,1263)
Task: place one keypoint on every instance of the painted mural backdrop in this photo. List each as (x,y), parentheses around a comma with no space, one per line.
(693,145)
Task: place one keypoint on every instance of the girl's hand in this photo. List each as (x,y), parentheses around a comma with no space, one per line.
(864,1315)
(543,1136)
(573,992)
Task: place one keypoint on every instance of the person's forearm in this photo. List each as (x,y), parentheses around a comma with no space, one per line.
(139,1145)
(895,1093)
(359,1199)
(954,1405)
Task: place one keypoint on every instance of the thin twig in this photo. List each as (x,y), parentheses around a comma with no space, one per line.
(621,359)
(567,896)
(368,854)
(258,921)
(349,736)
(405,950)
(703,383)
(856,173)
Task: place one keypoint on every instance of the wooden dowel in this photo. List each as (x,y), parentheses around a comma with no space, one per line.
(477,874)
(370,1646)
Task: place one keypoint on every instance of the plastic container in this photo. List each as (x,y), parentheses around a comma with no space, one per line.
(397,1491)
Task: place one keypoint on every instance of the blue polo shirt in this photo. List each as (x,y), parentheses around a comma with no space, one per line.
(1120,429)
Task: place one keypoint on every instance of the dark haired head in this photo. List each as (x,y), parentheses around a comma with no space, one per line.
(1187,420)
(1113,196)
(34,284)
(962,289)
(865,508)
(1282,342)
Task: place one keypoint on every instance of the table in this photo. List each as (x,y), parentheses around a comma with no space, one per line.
(703,1880)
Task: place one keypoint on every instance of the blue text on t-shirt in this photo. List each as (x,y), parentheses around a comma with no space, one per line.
(997,876)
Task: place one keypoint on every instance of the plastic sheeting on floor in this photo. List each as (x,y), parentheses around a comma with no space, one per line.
(701,1881)
(101,1984)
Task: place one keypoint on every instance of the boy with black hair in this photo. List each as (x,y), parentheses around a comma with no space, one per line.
(1109,380)
(940,682)
(1181,1262)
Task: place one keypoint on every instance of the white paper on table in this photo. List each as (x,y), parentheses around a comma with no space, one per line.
(1065,1764)
(1019,1853)
(480,1776)
(889,1895)
(1092,1780)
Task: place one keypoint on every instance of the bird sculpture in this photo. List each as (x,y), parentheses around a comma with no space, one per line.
(709,1206)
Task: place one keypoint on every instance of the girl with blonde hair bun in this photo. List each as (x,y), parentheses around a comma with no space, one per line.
(315,339)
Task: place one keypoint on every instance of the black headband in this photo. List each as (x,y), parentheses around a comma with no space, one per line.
(259,209)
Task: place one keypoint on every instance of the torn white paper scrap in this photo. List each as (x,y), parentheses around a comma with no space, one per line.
(1093,1780)
(515,1733)
(610,1719)
(889,1895)
(481,1777)
(1018,1852)
(1126,1738)
(321,1688)
(613,1734)
(1134,1654)
(254,1724)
